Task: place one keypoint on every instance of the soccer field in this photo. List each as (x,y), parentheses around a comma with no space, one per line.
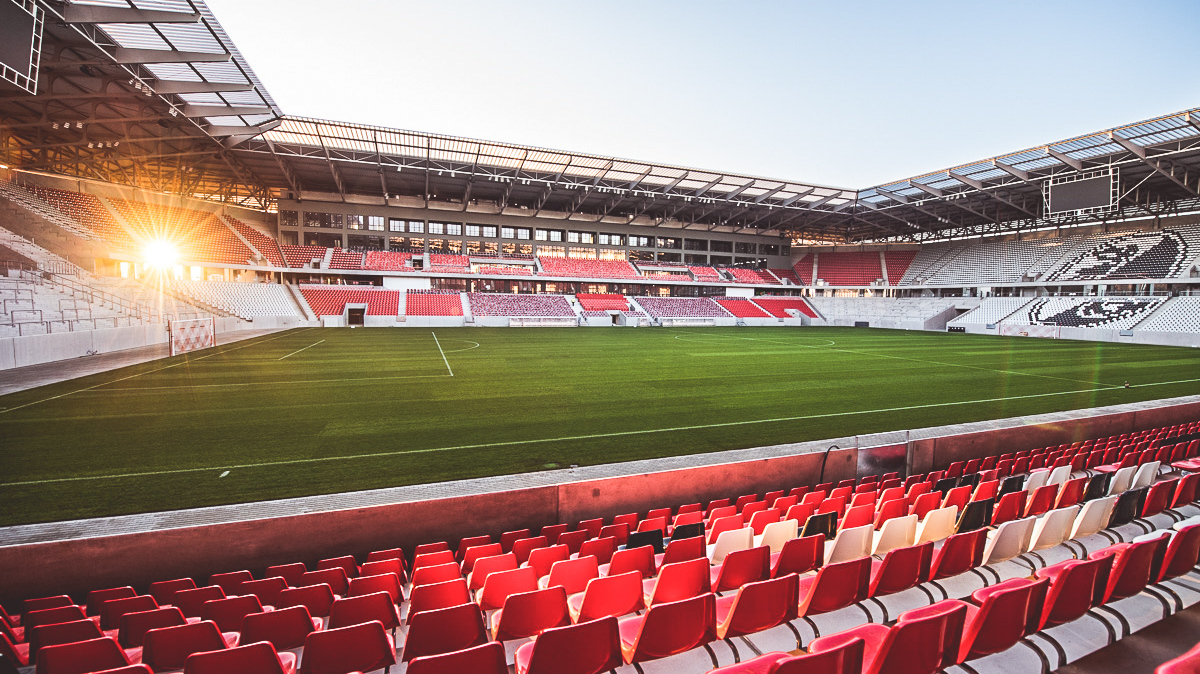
(313,411)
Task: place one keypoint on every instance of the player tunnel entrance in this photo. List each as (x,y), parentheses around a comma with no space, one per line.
(356,315)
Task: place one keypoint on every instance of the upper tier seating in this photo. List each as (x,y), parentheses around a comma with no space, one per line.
(778,306)
(1148,254)
(755,276)
(244,300)
(299,256)
(992,262)
(706,274)
(898,262)
(88,211)
(345,259)
(602,302)
(1181,314)
(27,199)
(382,260)
(332,300)
(804,268)
(199,236)
(432,303)
(565,266)
(991,310)
(263,243)
(682,307)
(1118,313)
(849,269)
(504,270)
(742,308)
(443,263)
(787,275)
(502,304)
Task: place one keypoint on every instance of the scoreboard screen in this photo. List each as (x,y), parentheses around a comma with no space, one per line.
(1081,194)
(20,43)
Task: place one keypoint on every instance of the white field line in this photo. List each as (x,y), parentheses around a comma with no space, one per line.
(132,376)
(304,349)
(439,346)
(580,437)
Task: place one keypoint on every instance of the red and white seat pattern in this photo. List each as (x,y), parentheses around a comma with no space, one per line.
(432,303)
(332,300)
(682,307)
(502,304)
(564,266)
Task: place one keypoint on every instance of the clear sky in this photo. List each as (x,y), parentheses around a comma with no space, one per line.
(850,93)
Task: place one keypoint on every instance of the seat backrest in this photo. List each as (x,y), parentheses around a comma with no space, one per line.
(289,572)
(484,567)
(252,658)
(1059,475)
(385,582)
(477,552)
(442,631)
(998,624)
(583,648)
(1093,516)
(284,628)
(499,585)
(680,580)
(743,566)
(1181,553)
(522,547)
(167,647)
(1072,586)
(133,626)
(674,627)
(318,599)
(433,558)
(438,595)
(1121,480)
(335,577)
(776,534)
(1130,572)
(542,559)
(614,595)
(61,633)
(844,658)
(363,608)
(761,605)
(1186,492)
(650,537)
(730,540)
(527,614)
(1053,528)
(230,580)
(483,659)
(227,613)
(267,589)
(959,553)
(80,657)
(850,544)
(112,610)
(975,515)
(1144,477)
(1128,507)
(901,569)
(633,559)
(954,613)
(1009,540)
(191,601)
(799,555)
(1037,478)
(824,523)
(925,503)
(938,524)
(1158,497)
(573,574)
(466,543)
(837,586)
(1071,492)
(162,590)
(361,648)
(573,539)
(898,532)
(97,597)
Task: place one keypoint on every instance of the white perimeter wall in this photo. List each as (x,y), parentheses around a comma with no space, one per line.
(34,349)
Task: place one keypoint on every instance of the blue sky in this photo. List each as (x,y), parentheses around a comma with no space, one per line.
(850,94)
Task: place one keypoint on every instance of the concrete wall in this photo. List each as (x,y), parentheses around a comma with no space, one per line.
(34,349)
(1106,335)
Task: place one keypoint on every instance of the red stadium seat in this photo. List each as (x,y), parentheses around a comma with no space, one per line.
(585,648)
(361,648)
(284,628)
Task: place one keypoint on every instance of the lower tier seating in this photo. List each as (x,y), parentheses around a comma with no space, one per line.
(497,304)
(742,308)
(682,307)
(332,300)
(432,303)
(602,301)
(778,306)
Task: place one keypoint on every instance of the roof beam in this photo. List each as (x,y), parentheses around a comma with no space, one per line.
(1024,176)
(1156,164)
(927,189)
(76,13)
(768,194)
(708,186)
(126,56)
(739,190)
(184,87)
(1065,158)
(1192,119)
(894,196)
(966,180)
(797,197)
(640,178)
(193,111)
(823,200)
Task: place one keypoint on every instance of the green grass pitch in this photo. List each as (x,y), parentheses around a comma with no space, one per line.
(313,411)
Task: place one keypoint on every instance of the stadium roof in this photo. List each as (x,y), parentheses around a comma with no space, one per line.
(153,93)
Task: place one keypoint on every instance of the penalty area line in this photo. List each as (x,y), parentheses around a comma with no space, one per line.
(439,346)
(299,350)
(593,436)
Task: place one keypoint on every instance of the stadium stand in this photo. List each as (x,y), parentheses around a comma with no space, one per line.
(504,270)
(301,256)
(1146,254)
(26,199)
(779,306)
(881,309)
(199,236)
(990,262)
(498,304)
(332,300)
(755,276)
(602,302)
(897,262)
(244,300)
(345,259)
(742,308)
(1181,314)
(927,260)
(682,307)
(380,260)
(87,211)
(999,595)
(1085,312)
(706,274)
(442,263)
(432,303)
(991,310)
(572,267)
(849,269)
(261,242)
